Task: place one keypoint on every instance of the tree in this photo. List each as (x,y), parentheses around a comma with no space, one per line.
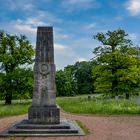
(22,83)
(116,63)
(64,82)
(15,54)
(83,77)
(75,79)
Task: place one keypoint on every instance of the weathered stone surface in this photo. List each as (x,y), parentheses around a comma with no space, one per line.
(44,92)
(44,68)
(44,115)
(25,128)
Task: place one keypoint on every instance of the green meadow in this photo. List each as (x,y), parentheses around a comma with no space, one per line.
(79,105)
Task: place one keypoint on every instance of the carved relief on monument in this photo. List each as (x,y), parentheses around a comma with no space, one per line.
(44,95)
(44,68)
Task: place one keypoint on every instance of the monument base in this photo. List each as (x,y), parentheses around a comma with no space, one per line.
(44,115)
(26,129)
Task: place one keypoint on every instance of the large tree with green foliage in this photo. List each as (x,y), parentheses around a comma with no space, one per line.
(75,79)
(117,70)
(16,53)
(83,77)
(65,82)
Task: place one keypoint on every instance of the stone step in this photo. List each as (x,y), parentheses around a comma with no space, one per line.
(24,128)
(43,131)
(38,126)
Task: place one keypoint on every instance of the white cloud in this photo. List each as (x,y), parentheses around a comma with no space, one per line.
(18,27)
(59,35)
(84,43)
(133,36)
(19,4)
(40,18)
(27,26)
(64,55)
(133,6)
(90,26)
(31,9)
(81,59)
(59,47)
(80,2)
(30,22)
(63,36)
(49,17)
(118,18)
(34,21)
(24,28)
(71,5)
(28,6)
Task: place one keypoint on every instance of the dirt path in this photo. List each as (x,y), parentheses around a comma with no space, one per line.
(101,128)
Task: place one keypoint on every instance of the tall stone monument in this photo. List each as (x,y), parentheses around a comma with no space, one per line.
(44,109)
(44,115)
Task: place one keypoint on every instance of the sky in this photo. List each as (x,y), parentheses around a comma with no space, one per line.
(74,23)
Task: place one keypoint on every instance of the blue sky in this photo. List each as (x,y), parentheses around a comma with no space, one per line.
(74,22)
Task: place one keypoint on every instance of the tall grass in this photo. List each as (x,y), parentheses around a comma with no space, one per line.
(14,109)
(77,105)
(108,107)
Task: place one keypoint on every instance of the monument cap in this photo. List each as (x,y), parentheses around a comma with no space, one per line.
(45,28)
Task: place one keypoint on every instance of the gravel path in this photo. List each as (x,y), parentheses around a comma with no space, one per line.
(101,127)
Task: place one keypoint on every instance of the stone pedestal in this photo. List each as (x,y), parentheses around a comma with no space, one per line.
(27,129)
(44,115)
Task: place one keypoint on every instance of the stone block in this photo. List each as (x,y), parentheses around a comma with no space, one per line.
(44,115)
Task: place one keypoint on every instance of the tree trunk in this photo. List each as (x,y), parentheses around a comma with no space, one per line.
(127,96)
(114,87)
(8,99)
(114,70)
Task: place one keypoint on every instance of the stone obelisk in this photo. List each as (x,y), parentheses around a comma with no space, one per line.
(44,115)
(44,109)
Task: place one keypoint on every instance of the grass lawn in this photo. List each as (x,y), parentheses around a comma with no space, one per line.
(79,104)
(107,107)
(17,108)
(85,129)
